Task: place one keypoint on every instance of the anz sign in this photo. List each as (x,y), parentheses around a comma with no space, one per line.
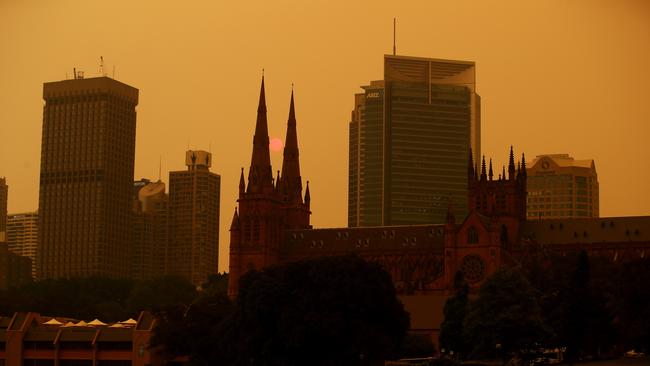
(374,94)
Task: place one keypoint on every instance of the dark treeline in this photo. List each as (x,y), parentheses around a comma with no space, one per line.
(104,298)
(589,305)
(326,311)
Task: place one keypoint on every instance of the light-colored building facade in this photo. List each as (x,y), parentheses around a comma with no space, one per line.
(86,178)
(410,136)
(22,235)
(561,187)
(193,249)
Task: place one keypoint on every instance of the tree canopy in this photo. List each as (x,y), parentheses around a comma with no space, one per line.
(505,316)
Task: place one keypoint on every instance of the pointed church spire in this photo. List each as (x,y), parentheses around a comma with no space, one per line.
(503,174)
(235,221)
(470,166)
(307,196)
(490,174)
(483,175)
(260,175)
(242,184)
(291,180)
(511,164)
(523,165)
(451,219)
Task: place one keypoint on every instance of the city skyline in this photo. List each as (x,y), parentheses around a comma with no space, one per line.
(590,37)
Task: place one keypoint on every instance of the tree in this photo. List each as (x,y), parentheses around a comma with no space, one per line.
(161,293)
(336,310)
(455,311)
(631,302)
(506,313)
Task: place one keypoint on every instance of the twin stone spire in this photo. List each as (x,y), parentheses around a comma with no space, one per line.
(260,174)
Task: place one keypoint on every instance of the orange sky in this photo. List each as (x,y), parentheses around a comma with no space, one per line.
(555,76)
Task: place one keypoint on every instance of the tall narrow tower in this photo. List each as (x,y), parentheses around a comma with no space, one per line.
(85,198)
(193,250)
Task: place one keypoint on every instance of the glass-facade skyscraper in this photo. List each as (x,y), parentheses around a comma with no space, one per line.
(410,136)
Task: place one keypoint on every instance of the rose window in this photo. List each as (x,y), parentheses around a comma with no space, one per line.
(473,268)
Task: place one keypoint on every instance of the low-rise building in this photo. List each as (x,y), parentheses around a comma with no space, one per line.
(29,339)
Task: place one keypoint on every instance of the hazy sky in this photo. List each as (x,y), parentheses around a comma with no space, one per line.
(554,76)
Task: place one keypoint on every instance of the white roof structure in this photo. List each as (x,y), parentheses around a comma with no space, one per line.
(97,322)
(53,322)
(129,321)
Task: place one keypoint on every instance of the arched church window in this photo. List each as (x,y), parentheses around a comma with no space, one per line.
(472,235)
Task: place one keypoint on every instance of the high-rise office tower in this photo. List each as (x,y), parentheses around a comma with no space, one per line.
(87,157)
(561,187)
(22,235)
(193,249)
(149,244)
(4,190)
(409,139)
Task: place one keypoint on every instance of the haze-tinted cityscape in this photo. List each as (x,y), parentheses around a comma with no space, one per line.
(443,182)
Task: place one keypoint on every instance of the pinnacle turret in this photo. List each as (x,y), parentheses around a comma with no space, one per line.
(234,226)
(483,173)
(490,173)
(470,166)
(511,164)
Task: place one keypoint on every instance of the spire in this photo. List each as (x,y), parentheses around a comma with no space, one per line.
(242,184)
(307,196)
(523,165)
(234,226)
(503,175)
(451,219)
(490,174)
(470,166)
(259,175)
(511,164)
(291,180)
(483,175)
(277,181)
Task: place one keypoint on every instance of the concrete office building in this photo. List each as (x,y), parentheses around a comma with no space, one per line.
(150,231)
(193,249)
(410,134)
(87,157)
(561,187)
(22,235)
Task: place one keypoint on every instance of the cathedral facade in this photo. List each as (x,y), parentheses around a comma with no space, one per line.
(272,226)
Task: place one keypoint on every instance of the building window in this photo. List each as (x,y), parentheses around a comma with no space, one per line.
(472,235)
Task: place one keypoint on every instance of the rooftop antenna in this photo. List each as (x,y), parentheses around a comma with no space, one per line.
(159,167)
(394,31)
(74,73)
(101,66)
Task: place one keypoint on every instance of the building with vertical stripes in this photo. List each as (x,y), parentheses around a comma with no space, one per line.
(410,135)
(86,178)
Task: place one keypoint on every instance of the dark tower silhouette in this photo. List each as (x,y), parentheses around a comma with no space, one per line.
(266,210)
(296,212)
